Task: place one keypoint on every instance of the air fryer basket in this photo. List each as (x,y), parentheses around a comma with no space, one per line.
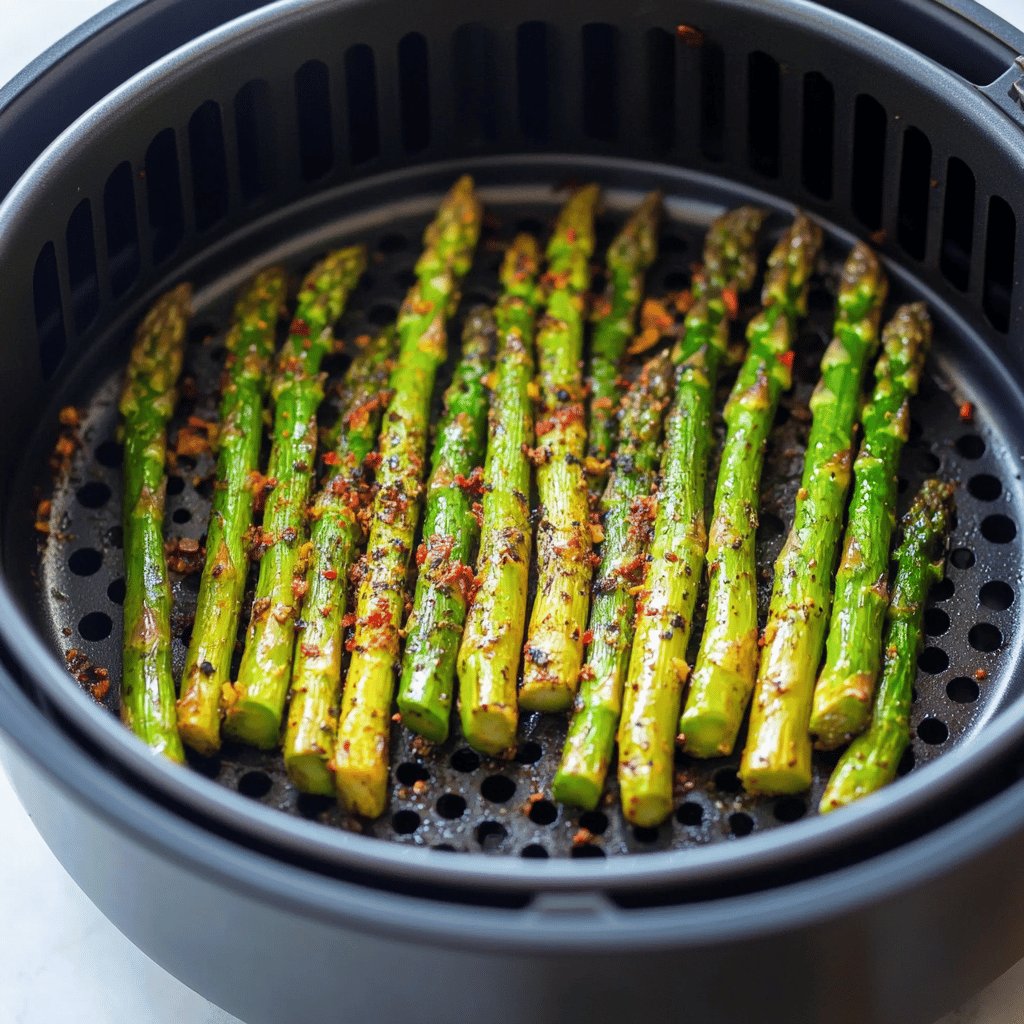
(310,123)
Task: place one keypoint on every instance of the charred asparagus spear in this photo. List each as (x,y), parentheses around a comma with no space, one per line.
(255,704)
(492,642)
(629,256)
(316,671)
(361,754)
(588,746)
(657,669)
(250,349)
(872,758)
(445,582)
(727,660)
(554,644)
(842,698)
(777,757)
(147,402)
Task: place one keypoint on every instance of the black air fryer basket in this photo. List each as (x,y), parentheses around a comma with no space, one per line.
(166,142)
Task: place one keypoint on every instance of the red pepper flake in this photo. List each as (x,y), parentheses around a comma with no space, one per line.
(588,637)
(535,456)
(477,511)
(472,484)
(732,302)
(299,327)
(689,35)
(570,235)
(310,650)
(980,674)
(966,412)
(330,574)
(331,459)
(421,554)
(786,359)
(373,461)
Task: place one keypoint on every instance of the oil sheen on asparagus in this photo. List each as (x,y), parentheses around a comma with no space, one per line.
(361,753)
(870,762)
(842,698)
(334,538)
(777,755)
(147,402)
(446,579)
(255,706)
(554,638)
(250,349)
(726,667)
(492,641)
(667,591)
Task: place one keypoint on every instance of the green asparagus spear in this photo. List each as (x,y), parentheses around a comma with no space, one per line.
(723,678)
(250,349)
(657,667)
(588,746)
(871,760)
(842,698)
(256,703)
(361,754)
(316,671)
(492,641)
(554,644)
(147,402)
(446,579)
(777,757)
(629,256)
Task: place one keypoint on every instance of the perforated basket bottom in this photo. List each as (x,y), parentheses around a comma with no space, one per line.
(451,798)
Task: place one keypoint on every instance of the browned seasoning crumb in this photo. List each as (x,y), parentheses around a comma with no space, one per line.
(582,837)
(980,674)
(396,717)
(421,745)
(419,787)
(93,678)
(185,555)
(689,35)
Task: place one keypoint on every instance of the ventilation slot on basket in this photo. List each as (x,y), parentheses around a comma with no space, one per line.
(533,80)
(313,116)
(209,169)
(361,91)
(122,229)
(712,101)
(163,193)
(254,133)
(958,224)
(82,280)
(818,135)
(414,92)
(475,84)
(1000,246)
(869,124)
(661,88)
(49,315)
(763,114)
(600,82)
(915,192)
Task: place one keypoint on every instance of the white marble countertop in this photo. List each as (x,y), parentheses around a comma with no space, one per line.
(47,925)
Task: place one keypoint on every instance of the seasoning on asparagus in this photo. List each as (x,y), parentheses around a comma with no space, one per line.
(255,704)
(588,745)
(446,579)
(147,403)
(629,256)
(668,590)
(777,757)
(250,349)
(842,698)
(726,667)
(871,760)
(335,535)
(492,641)
(361,754)
(554,640)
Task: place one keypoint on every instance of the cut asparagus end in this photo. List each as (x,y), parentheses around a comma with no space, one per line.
(249,721)
(489,728)
(845,715)
(362,788)
(426,716)
(578,788)
(648,808)
(200,731)
(548,695)
(707,732)
(309,773)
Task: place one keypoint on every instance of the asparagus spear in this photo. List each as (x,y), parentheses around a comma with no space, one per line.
(554,645)
(727,660)
(488,660)
(316,671)
(250,348)
(588,745)
(629,256)
(871,760)
(147,402)
(842,698)
(446,579)
(361,754)
(255,704)
(657,669)
(777,757)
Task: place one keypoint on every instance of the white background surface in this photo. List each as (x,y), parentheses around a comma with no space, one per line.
(50,934)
